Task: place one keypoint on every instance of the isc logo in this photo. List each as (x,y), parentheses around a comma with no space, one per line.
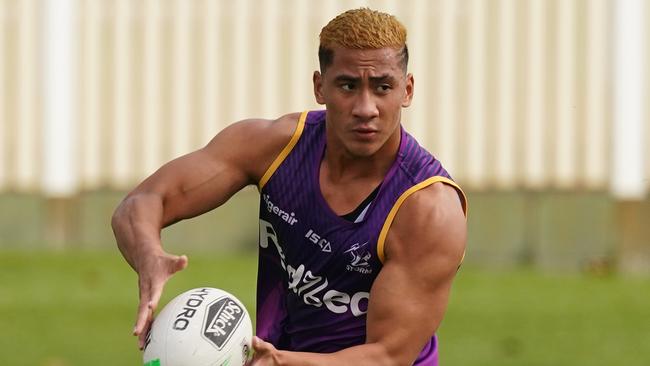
(323,243)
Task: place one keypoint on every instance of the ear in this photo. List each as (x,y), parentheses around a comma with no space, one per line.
(318,87)
(408,96)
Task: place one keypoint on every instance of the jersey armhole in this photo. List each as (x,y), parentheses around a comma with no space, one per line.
(285,152)
(391,215)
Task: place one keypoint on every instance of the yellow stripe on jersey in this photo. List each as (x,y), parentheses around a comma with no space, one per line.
(285,152)
(391,215)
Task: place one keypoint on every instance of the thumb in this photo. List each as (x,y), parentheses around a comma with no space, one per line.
(180,263)
(261,346)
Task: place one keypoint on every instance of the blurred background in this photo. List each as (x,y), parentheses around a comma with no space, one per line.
(538,108)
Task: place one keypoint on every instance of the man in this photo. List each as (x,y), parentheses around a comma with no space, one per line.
(361,230)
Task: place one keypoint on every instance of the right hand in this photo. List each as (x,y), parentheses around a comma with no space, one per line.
(153,272)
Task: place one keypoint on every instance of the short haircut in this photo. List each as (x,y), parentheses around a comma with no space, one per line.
(362,29)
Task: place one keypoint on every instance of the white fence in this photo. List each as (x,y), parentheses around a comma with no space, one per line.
(509,93)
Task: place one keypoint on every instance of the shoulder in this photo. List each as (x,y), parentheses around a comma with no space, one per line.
(430,222)
(273,131)
(418,162)
(253,143)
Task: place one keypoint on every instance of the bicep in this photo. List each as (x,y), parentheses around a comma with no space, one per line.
(204,179)
(410,295)
(405,308)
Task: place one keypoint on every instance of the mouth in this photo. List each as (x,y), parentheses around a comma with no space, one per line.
(365,132)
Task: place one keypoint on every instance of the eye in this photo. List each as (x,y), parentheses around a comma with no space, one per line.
(347,86)
(384,88)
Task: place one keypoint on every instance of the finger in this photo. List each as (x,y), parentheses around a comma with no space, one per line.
(142,337)
(146,316)
(144,312)
(150,295)
(156,292)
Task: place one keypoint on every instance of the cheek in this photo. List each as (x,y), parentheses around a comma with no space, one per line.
(338,106)
(389,108)
(339,101)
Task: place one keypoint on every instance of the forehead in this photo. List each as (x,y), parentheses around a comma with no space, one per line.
(382,60)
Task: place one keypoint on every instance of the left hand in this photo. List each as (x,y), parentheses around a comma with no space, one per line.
(265,353)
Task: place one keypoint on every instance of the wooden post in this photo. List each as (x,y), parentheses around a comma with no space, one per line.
(633,224)
(61,223)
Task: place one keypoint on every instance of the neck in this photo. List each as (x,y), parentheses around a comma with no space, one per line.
(341,166)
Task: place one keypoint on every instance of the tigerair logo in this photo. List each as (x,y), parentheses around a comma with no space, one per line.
(288,217)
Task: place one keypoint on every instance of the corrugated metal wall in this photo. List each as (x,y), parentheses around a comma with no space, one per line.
(509,93)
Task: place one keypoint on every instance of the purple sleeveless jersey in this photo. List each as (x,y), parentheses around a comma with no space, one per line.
(316,268)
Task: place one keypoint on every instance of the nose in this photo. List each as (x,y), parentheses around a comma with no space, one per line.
(365,106)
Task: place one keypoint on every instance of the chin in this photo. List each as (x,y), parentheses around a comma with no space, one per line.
(362,150)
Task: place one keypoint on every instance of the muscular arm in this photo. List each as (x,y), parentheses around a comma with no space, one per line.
(187,187)
(424,248)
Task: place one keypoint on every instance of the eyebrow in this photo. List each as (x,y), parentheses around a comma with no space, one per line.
(373,79)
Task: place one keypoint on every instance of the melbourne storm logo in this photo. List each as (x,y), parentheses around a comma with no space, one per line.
(360,257)
(224,316)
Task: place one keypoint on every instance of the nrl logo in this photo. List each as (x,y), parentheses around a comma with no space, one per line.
(223,317)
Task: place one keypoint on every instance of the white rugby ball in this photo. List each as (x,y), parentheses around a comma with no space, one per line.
(201,327)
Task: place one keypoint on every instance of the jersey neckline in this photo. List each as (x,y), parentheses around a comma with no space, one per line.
(322,144)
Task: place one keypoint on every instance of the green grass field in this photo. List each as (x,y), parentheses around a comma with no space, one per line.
(61,309)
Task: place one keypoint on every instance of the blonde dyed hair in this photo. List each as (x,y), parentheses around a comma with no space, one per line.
(362,28)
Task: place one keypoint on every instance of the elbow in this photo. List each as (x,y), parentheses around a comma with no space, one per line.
(125,211)
(137,209)
(384,356)
(119,216)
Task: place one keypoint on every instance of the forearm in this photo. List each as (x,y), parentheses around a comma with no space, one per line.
(136,224)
